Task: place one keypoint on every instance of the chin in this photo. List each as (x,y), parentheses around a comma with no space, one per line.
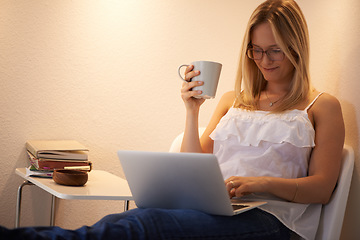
(269,78)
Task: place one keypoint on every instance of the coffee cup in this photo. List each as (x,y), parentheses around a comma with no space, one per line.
(209,74)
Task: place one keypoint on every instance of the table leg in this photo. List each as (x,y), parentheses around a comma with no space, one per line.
(18,202)
(52,212)
(126,205)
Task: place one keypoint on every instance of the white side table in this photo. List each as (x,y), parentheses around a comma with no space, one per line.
(101,185)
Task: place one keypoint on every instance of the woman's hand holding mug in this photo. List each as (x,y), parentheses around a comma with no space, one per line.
(188,94)
(200,82)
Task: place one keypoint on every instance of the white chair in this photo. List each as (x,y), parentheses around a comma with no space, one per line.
(332,215)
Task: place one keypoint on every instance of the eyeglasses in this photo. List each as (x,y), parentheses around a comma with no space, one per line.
(274,54)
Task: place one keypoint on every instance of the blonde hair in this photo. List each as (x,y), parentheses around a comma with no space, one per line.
(291,34)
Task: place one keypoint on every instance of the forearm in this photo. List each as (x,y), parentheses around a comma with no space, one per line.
(312,189)
(191,142)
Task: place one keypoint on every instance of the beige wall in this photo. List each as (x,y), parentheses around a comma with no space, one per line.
(105,73)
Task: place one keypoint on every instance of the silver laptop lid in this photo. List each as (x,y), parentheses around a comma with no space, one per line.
(176,180)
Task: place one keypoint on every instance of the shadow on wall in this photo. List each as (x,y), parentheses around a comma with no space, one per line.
(351,133)
(351,125)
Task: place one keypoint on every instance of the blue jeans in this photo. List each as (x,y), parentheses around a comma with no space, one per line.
(164,224)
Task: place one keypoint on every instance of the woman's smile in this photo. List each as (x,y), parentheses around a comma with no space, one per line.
(269,69)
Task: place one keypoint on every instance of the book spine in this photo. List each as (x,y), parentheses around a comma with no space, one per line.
(31,149)
(51,165)
(63,155)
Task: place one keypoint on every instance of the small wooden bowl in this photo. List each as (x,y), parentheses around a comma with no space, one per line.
(70,177)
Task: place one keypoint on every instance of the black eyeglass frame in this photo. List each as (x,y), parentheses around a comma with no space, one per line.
(250,48)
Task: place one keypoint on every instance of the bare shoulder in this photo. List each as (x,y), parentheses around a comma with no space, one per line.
(227,100)
(326,103)
(326,112)
(223,106)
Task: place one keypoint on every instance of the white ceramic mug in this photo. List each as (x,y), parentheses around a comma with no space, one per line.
(209,74)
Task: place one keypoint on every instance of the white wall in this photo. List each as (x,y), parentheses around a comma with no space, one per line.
(105,73)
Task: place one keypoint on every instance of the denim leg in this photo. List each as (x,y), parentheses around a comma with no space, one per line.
(157,224)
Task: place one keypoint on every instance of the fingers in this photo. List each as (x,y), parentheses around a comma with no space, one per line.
(189,74)
(231,186)
(230,189)
(188,86)
(187,92)
(238,187)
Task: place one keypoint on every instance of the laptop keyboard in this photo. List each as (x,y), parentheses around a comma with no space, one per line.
(239,206)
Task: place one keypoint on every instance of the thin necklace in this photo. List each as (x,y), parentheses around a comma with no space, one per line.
(271,103)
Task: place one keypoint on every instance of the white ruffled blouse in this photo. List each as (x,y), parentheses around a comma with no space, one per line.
(260,143)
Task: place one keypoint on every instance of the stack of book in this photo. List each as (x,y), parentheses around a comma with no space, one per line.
(47,155)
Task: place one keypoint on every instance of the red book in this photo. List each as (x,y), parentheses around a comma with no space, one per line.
(51,164)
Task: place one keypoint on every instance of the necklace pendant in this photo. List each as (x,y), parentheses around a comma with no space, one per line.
(271,104)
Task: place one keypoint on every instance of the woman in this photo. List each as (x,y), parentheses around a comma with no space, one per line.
(274,134)
(275,137)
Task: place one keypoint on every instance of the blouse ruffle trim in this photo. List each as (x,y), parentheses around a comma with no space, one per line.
(252,127)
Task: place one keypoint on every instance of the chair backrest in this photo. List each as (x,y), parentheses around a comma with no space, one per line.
(332,214)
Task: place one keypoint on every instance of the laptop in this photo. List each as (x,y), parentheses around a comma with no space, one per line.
(180,181)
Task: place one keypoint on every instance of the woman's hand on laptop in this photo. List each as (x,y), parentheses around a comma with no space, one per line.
(240,186)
